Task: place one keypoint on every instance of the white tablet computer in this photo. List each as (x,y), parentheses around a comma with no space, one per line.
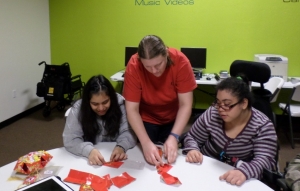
(47,184)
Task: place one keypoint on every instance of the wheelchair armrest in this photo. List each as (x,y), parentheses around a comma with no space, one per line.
(271,177)
(282,184)
(74,77)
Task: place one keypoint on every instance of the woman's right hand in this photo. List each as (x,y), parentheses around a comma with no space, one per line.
(95,158)
(194,156)
(151,154)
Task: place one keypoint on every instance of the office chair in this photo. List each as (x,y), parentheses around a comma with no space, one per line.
(274,85)
(260,73)
(292,109)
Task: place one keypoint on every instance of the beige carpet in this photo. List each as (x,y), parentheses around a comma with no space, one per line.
(34,132)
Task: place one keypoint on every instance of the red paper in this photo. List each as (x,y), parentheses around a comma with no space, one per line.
(165,168)
(160,151)
(98,183)
(116,164)
(122,180)
(169,179)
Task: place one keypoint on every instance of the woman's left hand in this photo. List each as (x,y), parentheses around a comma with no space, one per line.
(171,149)
(234,177)
(118,154)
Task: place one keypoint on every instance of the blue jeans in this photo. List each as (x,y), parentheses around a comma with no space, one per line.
(158,133)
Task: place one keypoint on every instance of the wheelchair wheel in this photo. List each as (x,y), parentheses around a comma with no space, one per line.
(46,111)
(60,106)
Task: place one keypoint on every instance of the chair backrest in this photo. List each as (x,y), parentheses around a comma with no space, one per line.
(274,85)
(296,92)
(255,71)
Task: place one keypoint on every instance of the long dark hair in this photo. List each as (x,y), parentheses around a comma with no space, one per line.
(88,118)
(238,86)
(152,46)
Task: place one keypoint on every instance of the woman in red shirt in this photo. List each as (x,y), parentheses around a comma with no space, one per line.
(158,89)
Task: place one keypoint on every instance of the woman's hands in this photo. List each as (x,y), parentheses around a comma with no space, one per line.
(171,149)
(234,177)
(151,154)
(118,154)
(95,158)
(194,156)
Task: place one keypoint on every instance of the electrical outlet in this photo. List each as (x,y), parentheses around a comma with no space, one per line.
(14,93)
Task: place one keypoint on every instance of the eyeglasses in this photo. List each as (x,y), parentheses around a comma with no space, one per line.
(216,105)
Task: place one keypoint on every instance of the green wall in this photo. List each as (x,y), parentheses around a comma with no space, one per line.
(92,34)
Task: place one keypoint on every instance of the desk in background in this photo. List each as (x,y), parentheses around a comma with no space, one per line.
(194,177)
(203,81)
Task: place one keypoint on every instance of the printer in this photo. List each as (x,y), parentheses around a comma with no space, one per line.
(277,63)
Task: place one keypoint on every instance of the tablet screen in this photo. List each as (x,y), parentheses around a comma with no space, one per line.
(48,184)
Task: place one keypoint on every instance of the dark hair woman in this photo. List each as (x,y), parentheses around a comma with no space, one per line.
(99,116)
(232,131)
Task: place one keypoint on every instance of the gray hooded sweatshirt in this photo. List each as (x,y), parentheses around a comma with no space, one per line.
(73,134)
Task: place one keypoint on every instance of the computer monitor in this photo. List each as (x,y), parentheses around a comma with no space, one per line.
(129,51)
(197,57)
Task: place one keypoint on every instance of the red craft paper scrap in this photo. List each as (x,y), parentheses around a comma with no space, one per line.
(77,177)
(122,180)
(98,183)
(169,179)
(165,168)
(116,164)
(101,183)
(108,180)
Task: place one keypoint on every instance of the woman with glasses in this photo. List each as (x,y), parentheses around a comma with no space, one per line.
(99,116)
(234,132)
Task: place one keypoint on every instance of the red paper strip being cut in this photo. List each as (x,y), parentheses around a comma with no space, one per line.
(116,164)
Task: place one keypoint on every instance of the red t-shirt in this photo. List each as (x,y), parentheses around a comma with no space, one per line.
(158,96)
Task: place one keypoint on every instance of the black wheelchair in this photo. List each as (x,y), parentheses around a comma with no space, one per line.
(58,85)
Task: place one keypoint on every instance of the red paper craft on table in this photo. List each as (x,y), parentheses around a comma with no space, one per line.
(122,180)
(169,179)
(116,164)
(97,183)
(165,168)
(32,162)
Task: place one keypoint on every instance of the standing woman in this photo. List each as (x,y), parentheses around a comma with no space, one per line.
(232,131)
(158,90)
(98,117)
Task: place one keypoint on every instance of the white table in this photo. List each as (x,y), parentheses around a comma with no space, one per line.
(194,177)
(203,81)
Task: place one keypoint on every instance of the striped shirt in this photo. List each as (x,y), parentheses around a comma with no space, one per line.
(257,140)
